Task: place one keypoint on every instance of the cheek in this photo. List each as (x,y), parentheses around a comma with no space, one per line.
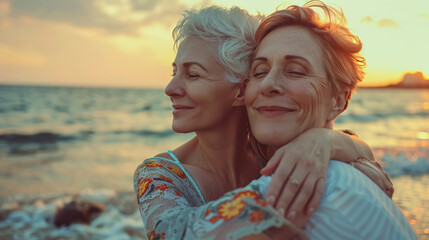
(250,92)
(313,102)
(218,100)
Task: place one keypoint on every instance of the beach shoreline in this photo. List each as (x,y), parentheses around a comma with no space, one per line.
(58,143)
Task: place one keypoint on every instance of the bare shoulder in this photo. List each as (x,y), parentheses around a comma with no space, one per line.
(163,155)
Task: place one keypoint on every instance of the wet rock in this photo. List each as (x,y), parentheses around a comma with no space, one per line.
(78,211)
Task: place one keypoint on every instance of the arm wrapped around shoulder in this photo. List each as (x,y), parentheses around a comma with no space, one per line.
(375,172)
(372,170)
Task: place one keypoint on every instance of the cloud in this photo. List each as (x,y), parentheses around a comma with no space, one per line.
(387,22)
(4,13)
(383,23)
(20,57)
(367,19)
(4,8)
(115,16)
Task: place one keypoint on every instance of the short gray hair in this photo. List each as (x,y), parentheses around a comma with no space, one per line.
(232,31)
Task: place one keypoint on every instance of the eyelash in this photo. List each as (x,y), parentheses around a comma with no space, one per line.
(296,74)
(189,76)
(259,75)
(289,73)
(192,76)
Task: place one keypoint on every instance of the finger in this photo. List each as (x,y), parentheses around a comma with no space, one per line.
(290,190)
(277,183)
(319,189)
(272,163)
(296,211)
(284,168)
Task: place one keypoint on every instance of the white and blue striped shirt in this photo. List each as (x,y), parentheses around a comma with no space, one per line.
(353,207)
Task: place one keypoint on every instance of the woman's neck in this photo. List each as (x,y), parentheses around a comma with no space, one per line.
(224,153)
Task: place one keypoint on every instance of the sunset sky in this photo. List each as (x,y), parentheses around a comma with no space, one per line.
(127,43)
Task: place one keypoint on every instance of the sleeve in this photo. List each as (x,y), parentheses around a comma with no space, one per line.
(353,208)
(169,211)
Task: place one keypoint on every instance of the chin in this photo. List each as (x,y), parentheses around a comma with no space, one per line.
(182,128)
(271,138)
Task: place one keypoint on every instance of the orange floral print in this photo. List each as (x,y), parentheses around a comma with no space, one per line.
(178,172)
(231,209)
(256,216)
(156,236)
(214,219)
(166,178)
(208,212)
(261,202)
(247,194)
(162,187)
(177,193)
(144,185)
(151,235)
(152,164)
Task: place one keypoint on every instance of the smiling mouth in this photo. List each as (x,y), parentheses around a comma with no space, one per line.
(180,108)
(273,110)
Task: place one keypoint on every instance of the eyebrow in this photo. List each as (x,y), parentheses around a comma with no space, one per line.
(187,64)
(287,57)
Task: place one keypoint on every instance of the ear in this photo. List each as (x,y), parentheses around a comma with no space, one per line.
(339,104)
(239,95)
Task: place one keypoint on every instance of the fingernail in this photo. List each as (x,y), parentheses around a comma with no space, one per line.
(270,200)
(291,215)
(282,211)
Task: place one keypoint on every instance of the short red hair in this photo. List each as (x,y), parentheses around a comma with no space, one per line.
(344,64)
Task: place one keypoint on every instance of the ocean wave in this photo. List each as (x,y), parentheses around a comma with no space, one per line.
(407,161)
(24,217)
(25,144)
(164,133)
(366,118)
(54,137)
(42,137)
(146,132)
(13,108)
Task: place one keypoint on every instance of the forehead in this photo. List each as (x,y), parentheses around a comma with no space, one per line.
(291,40)
(195,49)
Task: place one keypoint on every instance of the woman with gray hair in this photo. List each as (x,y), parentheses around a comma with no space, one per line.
(186,199)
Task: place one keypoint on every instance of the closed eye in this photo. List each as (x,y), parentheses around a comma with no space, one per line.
(259,75)
(298,74)
(193,76)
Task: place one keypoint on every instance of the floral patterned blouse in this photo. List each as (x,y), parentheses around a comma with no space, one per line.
(173,207)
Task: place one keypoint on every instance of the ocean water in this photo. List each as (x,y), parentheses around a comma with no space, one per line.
(57,143)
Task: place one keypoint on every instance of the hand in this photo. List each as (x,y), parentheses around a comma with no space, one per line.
(299,178)
(374,172)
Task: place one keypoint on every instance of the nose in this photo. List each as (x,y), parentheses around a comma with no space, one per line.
(271,84)
(175,87)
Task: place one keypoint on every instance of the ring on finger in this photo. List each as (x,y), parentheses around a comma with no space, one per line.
(294,181)
(321,178)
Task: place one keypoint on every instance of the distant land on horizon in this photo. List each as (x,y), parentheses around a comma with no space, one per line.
(415,80)
(409,80)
